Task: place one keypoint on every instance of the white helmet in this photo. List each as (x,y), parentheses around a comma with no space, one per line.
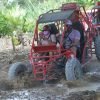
(68,22)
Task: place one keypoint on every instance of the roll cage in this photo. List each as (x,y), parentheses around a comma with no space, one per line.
(95,12)
(57,16)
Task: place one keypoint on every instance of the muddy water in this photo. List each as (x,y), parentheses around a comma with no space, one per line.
(61,88)
(98,96)
(88,86)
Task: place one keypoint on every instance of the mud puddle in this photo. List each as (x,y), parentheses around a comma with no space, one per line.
(89,86)
(62,90)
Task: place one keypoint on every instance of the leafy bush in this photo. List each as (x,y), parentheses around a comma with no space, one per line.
(16,41)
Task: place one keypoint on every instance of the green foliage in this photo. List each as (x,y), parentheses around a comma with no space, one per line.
(16,41)
(4,25)
(22,14)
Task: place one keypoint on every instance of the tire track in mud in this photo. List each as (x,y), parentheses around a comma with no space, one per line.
(57,92)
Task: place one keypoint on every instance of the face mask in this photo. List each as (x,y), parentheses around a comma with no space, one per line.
(46,33)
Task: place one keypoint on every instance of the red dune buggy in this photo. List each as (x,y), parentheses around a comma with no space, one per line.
(58,59)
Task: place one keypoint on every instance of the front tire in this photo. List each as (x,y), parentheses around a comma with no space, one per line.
(16,69)
(73,70)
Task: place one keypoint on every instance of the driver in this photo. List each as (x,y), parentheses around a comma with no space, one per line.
(71,37)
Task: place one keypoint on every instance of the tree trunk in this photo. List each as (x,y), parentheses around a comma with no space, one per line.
(13,43)
(95,1)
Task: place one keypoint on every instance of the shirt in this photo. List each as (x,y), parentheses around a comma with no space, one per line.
(74,35)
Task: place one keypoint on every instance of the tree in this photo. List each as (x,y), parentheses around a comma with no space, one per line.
(28,11)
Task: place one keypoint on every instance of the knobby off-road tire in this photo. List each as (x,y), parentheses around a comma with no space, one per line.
(16,69)
(97,47)
(29,67)
(73,70)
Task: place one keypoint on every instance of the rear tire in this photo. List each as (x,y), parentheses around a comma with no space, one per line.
(16,69)
(97,47)
(73,70)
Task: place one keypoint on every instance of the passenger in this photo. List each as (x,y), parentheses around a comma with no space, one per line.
(44,40)
(53,32)
(45,36)
(46,28)
(71,37)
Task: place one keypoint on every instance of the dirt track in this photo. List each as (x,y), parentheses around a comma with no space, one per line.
(57,91)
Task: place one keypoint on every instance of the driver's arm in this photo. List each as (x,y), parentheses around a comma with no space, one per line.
(75,43)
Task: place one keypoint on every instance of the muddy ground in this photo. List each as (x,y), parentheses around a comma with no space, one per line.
(26,89)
